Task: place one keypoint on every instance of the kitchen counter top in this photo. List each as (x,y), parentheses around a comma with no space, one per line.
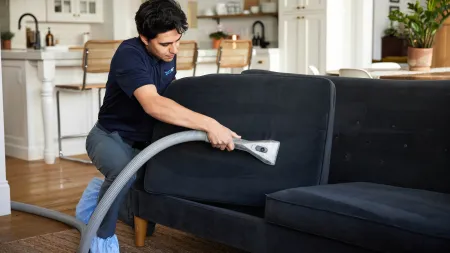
(73,58)
(32,54)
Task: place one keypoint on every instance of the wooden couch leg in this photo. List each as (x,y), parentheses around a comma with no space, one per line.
(140,231)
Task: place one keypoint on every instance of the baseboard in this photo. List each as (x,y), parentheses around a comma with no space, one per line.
(70,147)
(17,151)
(5,199)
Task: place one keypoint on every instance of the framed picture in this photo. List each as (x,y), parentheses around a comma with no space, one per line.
(393,8)
(394,1)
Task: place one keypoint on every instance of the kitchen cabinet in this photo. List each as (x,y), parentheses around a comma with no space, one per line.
(75,11)
(301,5)
(329,34)
(260,62)
(302,42)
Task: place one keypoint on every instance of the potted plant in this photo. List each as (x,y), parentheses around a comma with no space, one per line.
(6,39)
(217,37)
(421,24)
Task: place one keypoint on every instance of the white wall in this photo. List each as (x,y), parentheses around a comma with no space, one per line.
(381,21)
(118,21)
(5,204)
(363,32)
(349,34)
(4,15)
(339,32)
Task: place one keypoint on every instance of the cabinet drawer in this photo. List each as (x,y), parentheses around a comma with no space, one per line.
(260,62)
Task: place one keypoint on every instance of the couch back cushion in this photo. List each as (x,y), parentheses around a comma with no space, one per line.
(296,112)
(394,132)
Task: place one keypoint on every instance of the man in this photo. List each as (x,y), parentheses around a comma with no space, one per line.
(141,69)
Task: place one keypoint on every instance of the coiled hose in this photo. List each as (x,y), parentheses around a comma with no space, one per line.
(88,232)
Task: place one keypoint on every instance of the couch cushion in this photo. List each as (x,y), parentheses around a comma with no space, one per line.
(298,112)
(397,130)
(373,216)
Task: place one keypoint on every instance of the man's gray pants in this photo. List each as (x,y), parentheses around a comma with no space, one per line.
(110,154)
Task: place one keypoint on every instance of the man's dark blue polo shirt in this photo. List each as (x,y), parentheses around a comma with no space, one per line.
(132,67)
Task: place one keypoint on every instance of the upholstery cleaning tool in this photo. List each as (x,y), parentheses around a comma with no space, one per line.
(265,151)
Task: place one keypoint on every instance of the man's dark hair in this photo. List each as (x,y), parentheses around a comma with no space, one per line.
(160,16)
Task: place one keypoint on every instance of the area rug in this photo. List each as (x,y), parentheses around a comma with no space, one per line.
(164,240)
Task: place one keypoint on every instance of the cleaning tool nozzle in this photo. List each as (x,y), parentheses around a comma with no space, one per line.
(265,150)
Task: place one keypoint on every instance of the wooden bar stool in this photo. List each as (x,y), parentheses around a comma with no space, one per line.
(234,54)
(97,55)
(187,56)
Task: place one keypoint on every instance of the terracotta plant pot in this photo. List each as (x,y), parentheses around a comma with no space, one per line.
(6,44)
(216,43)
(420,59)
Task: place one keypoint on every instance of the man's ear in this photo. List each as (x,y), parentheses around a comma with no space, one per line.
(143,39)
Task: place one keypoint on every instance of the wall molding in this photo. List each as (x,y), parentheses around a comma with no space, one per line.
(5,199)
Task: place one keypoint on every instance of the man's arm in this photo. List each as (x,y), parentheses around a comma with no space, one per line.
(168,111)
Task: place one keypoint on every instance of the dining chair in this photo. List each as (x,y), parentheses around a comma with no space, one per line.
(187,56)
(354,72)
(314,70)
(234,54)
(97,55)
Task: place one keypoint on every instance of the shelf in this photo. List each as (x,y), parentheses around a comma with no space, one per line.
(218,17)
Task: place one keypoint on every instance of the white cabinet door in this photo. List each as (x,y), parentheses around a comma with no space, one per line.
(90,11)
(302,42)
(290,6)
(75,11)
(312,5)
(311,42)
(289,35)
(61,10)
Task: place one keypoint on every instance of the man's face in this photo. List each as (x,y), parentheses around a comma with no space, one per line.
(164,46)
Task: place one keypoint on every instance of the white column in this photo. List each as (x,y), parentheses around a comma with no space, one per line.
(5,204)
(362,33)
(46,70)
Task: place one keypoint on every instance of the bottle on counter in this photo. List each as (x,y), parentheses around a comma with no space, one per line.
(49,39)
(86,37)
(29,37)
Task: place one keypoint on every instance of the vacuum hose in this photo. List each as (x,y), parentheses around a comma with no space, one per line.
(265,151)
(89,232)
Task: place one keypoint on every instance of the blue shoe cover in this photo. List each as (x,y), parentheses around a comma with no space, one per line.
(88,202)
(108,245)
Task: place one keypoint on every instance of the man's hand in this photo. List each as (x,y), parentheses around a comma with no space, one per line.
(220,136)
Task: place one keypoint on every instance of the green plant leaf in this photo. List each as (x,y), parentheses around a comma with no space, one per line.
(422,22)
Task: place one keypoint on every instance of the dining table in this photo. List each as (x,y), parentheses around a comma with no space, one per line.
(404,73)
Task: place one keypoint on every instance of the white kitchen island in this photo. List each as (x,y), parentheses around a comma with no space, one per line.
(29,77)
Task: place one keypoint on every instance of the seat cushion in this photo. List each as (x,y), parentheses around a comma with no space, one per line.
(298,112)
(373,216)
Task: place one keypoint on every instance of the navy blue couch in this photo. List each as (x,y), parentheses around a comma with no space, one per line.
(364,165)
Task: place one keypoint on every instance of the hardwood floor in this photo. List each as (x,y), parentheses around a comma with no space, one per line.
(58,187)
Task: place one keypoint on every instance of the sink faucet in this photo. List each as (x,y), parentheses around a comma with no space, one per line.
(263,43)
(37,44)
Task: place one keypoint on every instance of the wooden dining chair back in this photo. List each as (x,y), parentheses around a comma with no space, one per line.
(234,54)
(187,56)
